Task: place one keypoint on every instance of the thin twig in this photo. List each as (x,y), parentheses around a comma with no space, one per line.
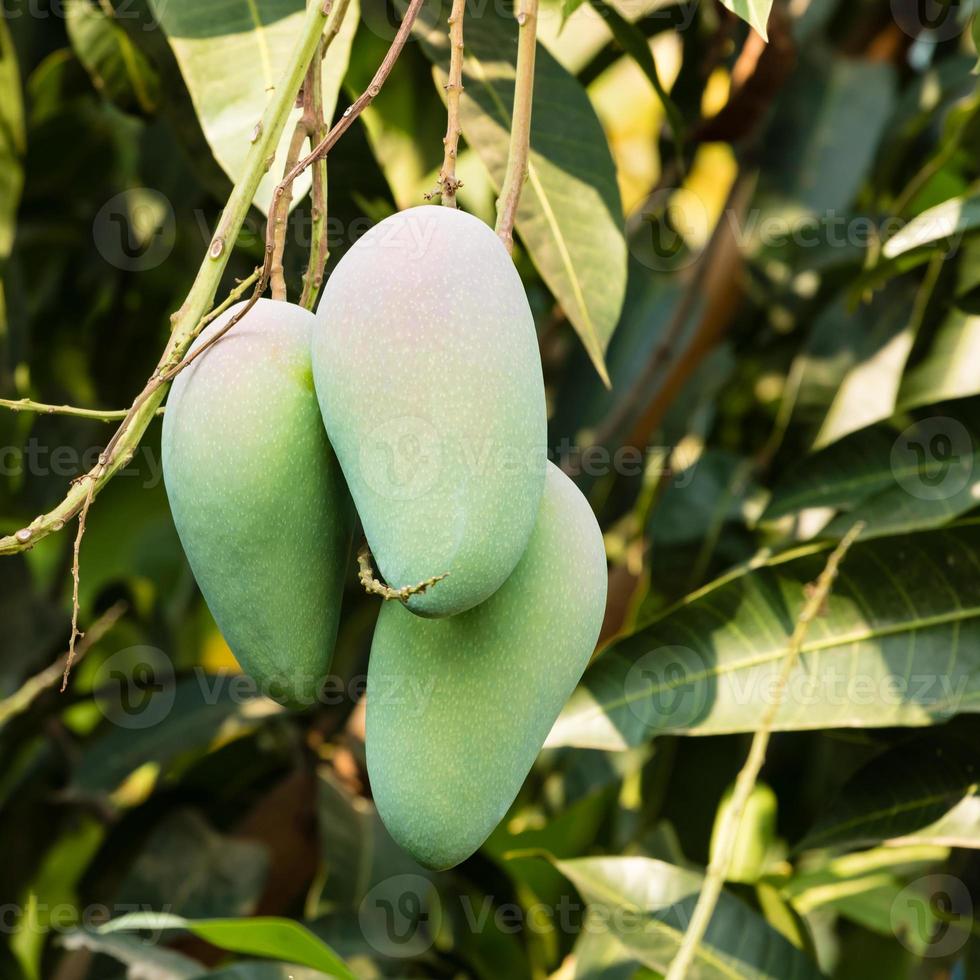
(279,213)
(166,373)
(198,300)
(76,634)
(26,405)
(365,98)
(372,586)
(520,129)
(714,879)
(315,129)
(329,141)
(31,689)
(447,180)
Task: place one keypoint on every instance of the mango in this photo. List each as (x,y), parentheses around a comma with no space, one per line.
(756,835)
(259,499)
(427,369)
(458,709)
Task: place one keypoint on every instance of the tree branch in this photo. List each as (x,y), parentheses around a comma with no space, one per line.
(319,240)
(448,184)
(279,214)
(26,405)
(190,318)
(520,130)
(31,689)
(816,597)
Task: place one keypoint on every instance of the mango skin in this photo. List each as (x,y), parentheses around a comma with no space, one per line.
(458,709)
(427,369)
(258,498)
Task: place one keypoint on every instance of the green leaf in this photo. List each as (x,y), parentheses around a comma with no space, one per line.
(13,143)
(949,370)
(143,960)
(635,43)
(947,221)
(924,792)
(192,870)
(117,68)
(155,720)
(570,216)
(923,476)
(646,905)
(869,391)
(887,890)
(754,12)
(357,851)
(899,644)
(840,477)
(822,140)
(230,56)
(266,936)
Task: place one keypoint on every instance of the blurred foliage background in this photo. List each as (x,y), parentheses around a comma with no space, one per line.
(779,269)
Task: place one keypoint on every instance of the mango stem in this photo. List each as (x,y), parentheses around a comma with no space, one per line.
(365,573)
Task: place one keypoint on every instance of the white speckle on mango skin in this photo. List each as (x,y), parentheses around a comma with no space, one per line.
(258,497)
(427,370)
(458,708)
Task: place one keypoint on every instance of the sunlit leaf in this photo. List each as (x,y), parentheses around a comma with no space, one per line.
(754,12)
(950,369)
(570,216)
(13,142)
(898,644)
(893,478)
(924,791)
(281,939)
(231,55)
(647,905)
(117,68)
(943,223)
(141,958)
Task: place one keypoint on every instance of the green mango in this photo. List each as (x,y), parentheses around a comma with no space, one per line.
(458,709)
(429,378)
(756,835)
(258,497)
